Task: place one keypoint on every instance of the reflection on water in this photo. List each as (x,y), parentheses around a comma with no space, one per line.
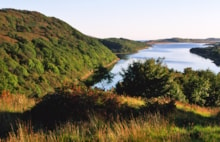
(176,56)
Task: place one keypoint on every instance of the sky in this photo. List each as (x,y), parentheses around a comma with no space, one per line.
(132,19)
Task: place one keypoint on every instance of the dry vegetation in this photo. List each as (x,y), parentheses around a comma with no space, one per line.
(125,125)
(203,111)
(15,102)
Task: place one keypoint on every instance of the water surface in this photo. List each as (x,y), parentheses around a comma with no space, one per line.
(176,56)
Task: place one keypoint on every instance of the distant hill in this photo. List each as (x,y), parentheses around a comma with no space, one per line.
(121,45)
(212,52)
(208,40)
(40,53)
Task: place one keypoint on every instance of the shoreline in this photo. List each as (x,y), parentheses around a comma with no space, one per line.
(87,75)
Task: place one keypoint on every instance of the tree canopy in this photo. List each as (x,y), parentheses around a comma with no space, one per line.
(121,45)
(153,79)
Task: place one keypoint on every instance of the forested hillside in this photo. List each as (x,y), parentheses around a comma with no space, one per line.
(121,45)
(212,52)
(40,53)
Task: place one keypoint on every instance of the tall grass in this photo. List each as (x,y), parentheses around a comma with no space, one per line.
(185,123)
(203,111)
(146,128)
(11,108)
(133,102)
(15,102)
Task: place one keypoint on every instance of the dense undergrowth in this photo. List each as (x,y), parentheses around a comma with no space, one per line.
(83,114)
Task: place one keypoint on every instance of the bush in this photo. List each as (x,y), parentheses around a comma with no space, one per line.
(148,79)
(8,81)
(38,66)
(52,67)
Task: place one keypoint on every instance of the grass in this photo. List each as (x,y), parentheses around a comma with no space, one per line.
(146,128)
(185,123)
(134,102)
(15,103)
(203,111)
(208,133)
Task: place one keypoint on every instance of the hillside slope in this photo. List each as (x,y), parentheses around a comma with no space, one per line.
(40,53)
(121,45)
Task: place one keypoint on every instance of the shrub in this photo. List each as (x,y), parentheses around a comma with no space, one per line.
(8,81)
(148,79)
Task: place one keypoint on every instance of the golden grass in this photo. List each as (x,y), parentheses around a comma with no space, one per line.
(15,103)
(146,128)
(134,102)
(203,111)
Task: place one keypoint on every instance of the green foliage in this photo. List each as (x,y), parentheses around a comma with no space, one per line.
(20,70)
(182,40)
(52,67)
(100,73)
(176,92)
(8,81)
(123,45)
(34,46)
(196,88)
(152,79)
(38,66)
(28,50)
(211,52)
(41,43)
(148,79)
(214,98)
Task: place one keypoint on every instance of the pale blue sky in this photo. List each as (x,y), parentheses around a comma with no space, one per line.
(133,19)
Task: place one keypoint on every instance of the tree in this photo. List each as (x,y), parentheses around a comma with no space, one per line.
(214,96)
(196,86)
(147,79)
(101,74)
(8,81)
